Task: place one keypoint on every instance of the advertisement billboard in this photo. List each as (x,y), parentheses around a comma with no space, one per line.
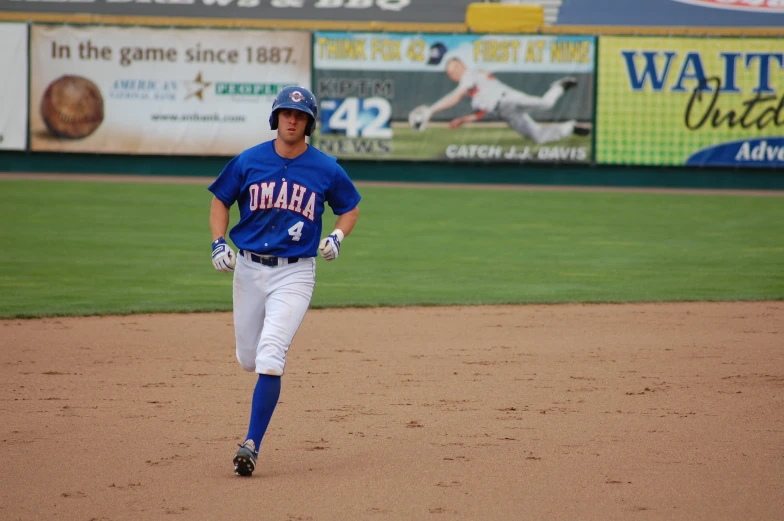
(673,13)
(13,88)
(158,91)
(429,97)
(403,11)
(690,101)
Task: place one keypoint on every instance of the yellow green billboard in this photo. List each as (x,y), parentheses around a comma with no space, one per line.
(690,101)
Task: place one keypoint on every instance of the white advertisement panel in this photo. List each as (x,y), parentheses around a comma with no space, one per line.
(159,91)
(13,87)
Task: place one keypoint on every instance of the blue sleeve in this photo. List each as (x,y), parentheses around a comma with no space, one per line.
(342,195)
(228,185)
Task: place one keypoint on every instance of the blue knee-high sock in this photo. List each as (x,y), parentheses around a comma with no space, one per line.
(265,398)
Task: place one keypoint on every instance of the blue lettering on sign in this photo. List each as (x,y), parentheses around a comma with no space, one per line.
(692,69)
(143,89)
(654,68)
(650,72)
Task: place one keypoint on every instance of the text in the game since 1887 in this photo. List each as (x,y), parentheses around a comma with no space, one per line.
(126,56)
(355,116)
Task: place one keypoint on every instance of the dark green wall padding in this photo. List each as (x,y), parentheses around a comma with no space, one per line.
(399,171)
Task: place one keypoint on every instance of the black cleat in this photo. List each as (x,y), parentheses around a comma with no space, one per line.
(245,459)
(581,129)
(568,82)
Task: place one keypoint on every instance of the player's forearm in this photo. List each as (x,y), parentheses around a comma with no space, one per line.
(450,100)
(219,218)
(346,222)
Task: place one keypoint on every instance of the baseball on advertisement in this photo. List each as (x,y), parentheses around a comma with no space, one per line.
(141,90)
(13,88)
(691,101)
(506,98)
(282,188)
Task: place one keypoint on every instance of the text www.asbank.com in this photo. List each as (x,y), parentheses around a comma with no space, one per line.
(228,118)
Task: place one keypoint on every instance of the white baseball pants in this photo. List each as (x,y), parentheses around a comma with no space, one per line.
(515,108)
(270,303)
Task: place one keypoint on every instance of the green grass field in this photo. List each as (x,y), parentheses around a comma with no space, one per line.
(81,248)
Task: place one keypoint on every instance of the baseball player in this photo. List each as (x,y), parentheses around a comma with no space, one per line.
(488,95)
(281,187)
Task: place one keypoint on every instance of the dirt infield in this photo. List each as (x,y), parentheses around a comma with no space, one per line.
(590,412)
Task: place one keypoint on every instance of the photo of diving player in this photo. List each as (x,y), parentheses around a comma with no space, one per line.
(489,97)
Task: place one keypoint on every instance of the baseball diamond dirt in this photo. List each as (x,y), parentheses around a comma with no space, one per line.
(592,412)
(650,412)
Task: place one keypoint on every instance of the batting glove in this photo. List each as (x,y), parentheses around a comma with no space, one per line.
(329,247)
(223,258)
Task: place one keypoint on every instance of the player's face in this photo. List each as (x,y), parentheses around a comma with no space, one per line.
(455,70)
(291,125)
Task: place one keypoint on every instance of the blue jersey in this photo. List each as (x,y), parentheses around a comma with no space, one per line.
(281,200)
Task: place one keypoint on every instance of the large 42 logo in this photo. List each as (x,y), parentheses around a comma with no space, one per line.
(357,117)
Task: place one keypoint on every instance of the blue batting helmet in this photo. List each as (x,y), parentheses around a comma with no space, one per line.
(296,98)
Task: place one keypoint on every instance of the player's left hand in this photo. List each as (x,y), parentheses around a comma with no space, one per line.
(223,258)
(329,247)
(456,122)
(419,117)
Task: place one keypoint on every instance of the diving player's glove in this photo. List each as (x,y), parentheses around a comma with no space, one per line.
(223,258)
(419,117)
(329,247)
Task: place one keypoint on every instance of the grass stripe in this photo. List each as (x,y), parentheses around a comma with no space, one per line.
(104,248)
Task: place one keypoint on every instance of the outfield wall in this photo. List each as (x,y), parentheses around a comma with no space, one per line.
(195,97)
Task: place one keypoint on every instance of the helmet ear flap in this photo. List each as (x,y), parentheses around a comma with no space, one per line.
(312,120)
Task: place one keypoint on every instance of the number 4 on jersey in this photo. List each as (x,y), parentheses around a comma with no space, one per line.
(296,231)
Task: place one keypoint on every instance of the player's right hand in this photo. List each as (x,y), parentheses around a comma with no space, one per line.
(223,258)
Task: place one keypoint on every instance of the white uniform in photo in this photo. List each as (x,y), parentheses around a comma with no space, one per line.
(488,95)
